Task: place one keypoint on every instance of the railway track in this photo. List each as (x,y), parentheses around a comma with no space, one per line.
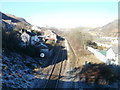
(55,73)
(59,76)
(47,72)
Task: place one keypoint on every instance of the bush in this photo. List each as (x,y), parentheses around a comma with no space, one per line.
(30,51)
(107,73)
(10,41)
(92,44)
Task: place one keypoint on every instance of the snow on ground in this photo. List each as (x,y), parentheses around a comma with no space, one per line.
(17,70)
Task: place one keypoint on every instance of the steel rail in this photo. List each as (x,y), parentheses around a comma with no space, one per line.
(52,69)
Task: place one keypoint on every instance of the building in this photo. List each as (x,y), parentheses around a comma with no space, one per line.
(28,38)
(25,37)
(36,28)
(109,56)
(112,55)
(49,35)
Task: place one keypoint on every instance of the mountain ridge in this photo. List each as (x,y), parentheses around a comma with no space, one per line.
(108,30)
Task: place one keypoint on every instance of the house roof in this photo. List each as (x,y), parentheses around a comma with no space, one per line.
(30,33)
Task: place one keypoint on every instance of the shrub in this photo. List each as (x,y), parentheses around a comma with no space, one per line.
(10,41)
(92,44)
(30,51)
(107,73)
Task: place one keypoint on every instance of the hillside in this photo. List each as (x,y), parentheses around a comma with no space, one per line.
(109,30)
(18,70)
(10,21)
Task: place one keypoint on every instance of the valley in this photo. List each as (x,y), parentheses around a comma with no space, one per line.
(47,57)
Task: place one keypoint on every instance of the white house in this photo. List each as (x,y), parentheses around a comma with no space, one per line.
(112,55)
(25,37)
(36,28)
(29,38)
(99,55)
(49,35)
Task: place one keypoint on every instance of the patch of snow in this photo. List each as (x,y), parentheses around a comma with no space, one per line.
(15,72)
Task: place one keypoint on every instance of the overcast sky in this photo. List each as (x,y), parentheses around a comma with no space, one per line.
(64,14)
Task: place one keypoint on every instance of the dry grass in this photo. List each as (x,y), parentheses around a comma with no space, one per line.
(100,74)
(89,58)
